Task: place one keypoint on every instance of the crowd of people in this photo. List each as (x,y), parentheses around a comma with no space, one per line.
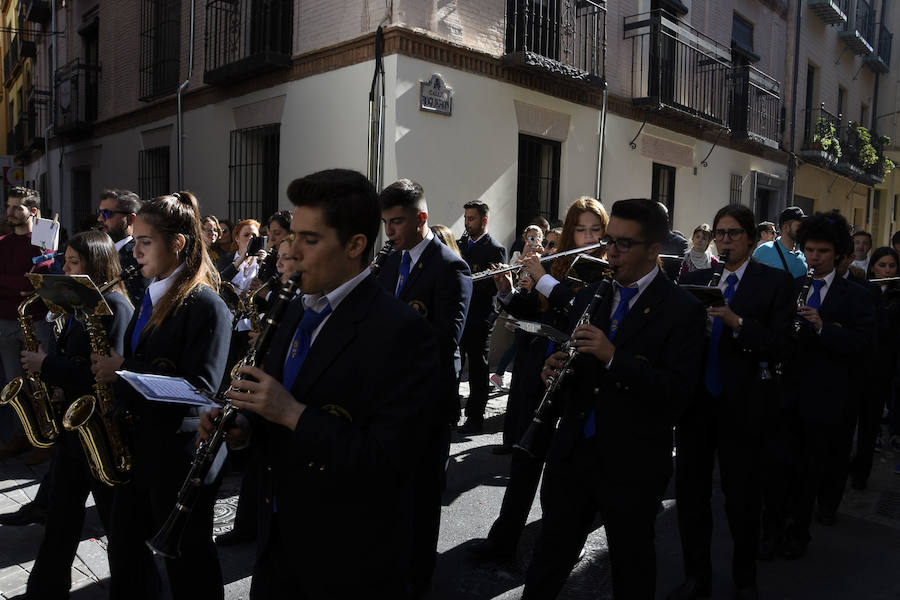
(756,355)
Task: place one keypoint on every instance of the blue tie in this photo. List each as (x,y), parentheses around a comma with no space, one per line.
(471,243)
(404,270)
(300,344)
(815,300)
(143,317)
(625,296)
(713,379)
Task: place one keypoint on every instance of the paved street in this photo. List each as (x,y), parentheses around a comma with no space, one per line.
(859,558)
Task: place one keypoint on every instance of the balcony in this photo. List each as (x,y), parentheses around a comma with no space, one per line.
(880,62)
(35,116)
(11,60)
(754,101)
(247,37)
(859,35)
(15,139)
(76,98)
(561,37)
(832,12)
(821,135)
(37,11)
(678,69)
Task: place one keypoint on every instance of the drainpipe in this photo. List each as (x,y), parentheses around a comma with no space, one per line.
(603,115)
(792,156)
(179,118)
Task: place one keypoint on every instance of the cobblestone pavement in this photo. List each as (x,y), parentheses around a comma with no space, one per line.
(859,558)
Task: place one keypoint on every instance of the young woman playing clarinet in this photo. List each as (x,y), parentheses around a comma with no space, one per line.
(182,328)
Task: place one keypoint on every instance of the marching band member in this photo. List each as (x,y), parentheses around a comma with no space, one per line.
(635,372)
(341,410)
(241,267)
(434,281)
(182,328)
(69,478)
(733,407)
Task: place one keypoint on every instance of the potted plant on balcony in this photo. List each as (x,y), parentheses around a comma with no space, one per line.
(824,147)
(861,154)
(883,165)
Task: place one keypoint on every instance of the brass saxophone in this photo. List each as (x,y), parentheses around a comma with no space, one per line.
(91,415)
(28,395)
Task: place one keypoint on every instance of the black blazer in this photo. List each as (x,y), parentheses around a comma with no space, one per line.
(819,374)
(765,300)
(192,343)
(439,288)
(342,480)
(480,257)
(657,364)
(136,286)
(70,367)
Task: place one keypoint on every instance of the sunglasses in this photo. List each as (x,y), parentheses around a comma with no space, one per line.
(107,213)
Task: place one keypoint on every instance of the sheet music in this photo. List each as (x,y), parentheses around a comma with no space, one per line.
(161,388)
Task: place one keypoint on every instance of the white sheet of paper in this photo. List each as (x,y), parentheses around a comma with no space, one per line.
(161,388)
(45,234)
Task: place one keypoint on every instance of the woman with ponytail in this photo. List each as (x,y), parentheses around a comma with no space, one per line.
(182,328)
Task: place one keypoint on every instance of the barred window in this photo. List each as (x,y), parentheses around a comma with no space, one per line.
(737,187)
(253,172)
(538,182)
(153,172)
(160,47)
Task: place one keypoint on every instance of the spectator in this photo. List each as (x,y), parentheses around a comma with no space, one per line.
(551,240)
(895,241)
(211,232)
(766,231)
(446,236)
(781,252)
(538,221)
(699,256)
(862,247)
(225,240)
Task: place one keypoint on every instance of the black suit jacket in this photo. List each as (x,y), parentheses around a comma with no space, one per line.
(655,369)
(136,286)
(765,300)
(192,343)
(342,479)
(480,257)
(70,367)
(818,375)
(439,288)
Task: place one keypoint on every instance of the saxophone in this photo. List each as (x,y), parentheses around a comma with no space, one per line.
(91,415)
(28,394)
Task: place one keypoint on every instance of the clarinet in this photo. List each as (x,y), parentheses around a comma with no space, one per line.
(717,270)
(267,266)
(544,409)
(167,541)
(382,254)
(801,301)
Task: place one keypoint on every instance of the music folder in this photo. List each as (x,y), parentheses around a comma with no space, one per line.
(536,328)
(173,390)
(709,296)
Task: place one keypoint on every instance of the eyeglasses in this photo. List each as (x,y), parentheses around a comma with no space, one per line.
(107,213)
(732,234)
(622,244)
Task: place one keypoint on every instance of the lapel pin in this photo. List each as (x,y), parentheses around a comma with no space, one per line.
(647,310)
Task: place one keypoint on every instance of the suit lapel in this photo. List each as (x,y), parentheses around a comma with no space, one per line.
(416,269)
(831,306)
(747,288)
(644,310)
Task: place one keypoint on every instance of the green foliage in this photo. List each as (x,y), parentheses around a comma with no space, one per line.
(826,138)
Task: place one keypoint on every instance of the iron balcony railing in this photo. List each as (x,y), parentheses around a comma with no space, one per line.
(36,116)
(36,11)
(859,32)
(247,37)
(676,66)
(15,139)
(832,12)
(560,36)
(11,59)
(880,62)
(811,122)
(754,101)
(77,97)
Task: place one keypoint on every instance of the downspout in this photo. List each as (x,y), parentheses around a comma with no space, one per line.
(179,118)
(792,167)
(603,116)
(51,121)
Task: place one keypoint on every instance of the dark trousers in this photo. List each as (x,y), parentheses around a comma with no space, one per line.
(245,518)
(430,481)
(139,509)
(69,482)
(837,464)
(274,577)
(474,347)
(703,433)
(571,497)
(871,407)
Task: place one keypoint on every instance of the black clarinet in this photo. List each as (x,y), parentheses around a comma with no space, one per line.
(719,268)
(167,541)
(380,256)
(801,301)
(545,408)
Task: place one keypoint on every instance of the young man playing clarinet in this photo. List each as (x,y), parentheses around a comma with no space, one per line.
(732,408)
(638,363)
(340,412)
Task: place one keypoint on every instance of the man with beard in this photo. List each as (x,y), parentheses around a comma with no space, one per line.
(782,252)
(115,216)
(22,208)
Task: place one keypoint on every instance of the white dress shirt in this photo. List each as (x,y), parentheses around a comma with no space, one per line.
(159,287)
(121,243)
(318,302)
(415,253)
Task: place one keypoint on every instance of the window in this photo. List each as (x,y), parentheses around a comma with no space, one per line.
(808,125)
(160,47)
(737,187)
(742,33)
(83,217)
(538,183)
(864,115)
(253,172)
(153,172)
(663,190)
(842,100)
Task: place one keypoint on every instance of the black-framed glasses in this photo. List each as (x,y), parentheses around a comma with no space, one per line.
(622,244)
(107,213)
(732,234)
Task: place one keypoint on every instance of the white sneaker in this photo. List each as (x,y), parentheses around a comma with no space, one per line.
(497,381)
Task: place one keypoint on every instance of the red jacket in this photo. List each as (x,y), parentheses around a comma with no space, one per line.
(16,253)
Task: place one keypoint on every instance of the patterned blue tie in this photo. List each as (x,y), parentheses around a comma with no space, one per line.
(625,296)
(815,299)
(713,379)
(300,344)
(404,270)
(143,317)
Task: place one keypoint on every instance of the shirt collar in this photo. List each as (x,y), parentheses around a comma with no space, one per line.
(317,302)
(642,283)
(158,288)
(474,240)
(828,280)
(740,271)
(121,243)
(415,253)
